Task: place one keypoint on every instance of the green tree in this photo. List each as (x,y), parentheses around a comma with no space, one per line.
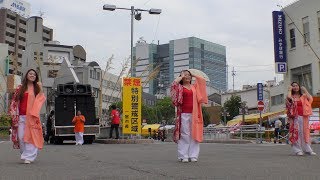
(206,117)
(232,106)
(165,110)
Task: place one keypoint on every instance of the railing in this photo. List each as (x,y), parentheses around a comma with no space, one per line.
(225,131)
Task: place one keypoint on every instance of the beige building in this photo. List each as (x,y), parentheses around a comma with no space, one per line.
(303,63)
(13,31)
(273,97)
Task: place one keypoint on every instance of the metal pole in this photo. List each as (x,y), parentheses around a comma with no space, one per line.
(132,14)
(260,128)
(225,117)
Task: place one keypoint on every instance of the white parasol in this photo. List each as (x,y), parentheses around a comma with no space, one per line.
(199,73)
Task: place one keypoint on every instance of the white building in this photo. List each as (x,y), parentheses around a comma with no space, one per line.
(273,95)
(303,63)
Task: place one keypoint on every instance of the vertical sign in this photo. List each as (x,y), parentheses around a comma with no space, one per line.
(279,40)
(131,106)
(259,92)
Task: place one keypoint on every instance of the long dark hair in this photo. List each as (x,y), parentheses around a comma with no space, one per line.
(181,82)
(24,86)
(300,92)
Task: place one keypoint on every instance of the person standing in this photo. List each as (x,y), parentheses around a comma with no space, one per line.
(115,121)
(78,122)
(49,126)
(187,98)
(298,104)
(277,129)
(24,110)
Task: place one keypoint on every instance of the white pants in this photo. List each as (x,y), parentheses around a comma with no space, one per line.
(79,137)
(187,147)
(300,145)
(28,151)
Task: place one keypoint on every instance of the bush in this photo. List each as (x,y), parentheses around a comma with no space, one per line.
(5,120)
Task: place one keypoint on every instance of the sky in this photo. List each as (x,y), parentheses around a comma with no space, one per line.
(243,26)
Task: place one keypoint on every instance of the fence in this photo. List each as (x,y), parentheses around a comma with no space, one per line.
(225,132)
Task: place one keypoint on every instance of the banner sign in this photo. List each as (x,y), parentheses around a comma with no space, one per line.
(279,39)
(132,95)
(259,91)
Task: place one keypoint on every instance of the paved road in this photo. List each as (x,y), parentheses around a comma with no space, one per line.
(158,161)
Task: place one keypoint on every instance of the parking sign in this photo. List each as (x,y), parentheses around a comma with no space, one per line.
(281,67)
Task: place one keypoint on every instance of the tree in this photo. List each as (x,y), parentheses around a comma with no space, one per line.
(165,110)
(206,117)
(232,106)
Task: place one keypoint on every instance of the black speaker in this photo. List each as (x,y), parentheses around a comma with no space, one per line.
(65,109)
(83,89)
(74,89)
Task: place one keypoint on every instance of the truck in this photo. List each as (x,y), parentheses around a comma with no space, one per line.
(69,99)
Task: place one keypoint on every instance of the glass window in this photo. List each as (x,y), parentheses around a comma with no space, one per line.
(318,13)
(292,36)
(306,30)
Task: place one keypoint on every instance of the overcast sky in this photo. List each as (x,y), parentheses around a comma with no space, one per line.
(243,26)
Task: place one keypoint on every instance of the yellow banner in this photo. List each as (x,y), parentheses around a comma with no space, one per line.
(132,94)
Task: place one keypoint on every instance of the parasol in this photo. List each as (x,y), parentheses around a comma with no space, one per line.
(199,73)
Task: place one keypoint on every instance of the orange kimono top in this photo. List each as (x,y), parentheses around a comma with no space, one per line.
(33,128)
(199,96)
(78,122)
(307,111)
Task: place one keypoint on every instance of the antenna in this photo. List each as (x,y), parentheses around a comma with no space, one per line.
(41,13)
(233,75)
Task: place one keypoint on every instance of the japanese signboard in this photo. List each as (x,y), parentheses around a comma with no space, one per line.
(259,91)
(279,38)
(132,94)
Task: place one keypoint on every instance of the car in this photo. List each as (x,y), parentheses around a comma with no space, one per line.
(211,125)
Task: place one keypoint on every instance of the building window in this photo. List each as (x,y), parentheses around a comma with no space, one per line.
(306,30)
(52,73)
(277,100)
(303,75)
(318,14)
(292,36)
(94,75)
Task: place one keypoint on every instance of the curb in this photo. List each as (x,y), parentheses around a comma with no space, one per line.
(124,141)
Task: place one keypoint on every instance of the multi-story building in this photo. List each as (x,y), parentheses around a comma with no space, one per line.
(303,50)
(13,30)
(177,55)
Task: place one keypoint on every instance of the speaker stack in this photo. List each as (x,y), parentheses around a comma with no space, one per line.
(71,98)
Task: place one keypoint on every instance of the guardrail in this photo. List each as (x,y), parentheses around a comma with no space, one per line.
(225,131)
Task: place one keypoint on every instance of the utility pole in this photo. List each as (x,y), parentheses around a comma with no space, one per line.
(243,111)
(233,75)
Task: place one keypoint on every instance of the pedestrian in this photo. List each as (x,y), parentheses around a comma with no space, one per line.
(277,129)
(115,121)
(49,132)
(78,122)
(299,109)
(187,98)
(24,110)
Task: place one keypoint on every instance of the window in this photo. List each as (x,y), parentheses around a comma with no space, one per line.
(52,73)
(277,100)
(94,75)
(306,30)
(292,36)
(303,75)
(318,14)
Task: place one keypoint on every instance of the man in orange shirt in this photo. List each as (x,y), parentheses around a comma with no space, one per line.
(78,122)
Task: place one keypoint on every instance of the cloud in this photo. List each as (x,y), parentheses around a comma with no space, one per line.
(244,27)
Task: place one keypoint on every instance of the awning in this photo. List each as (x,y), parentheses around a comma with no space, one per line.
(254,118)
(145,128)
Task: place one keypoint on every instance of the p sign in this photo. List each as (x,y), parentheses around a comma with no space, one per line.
(281,67)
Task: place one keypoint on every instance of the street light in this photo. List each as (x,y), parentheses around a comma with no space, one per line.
(135,13)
